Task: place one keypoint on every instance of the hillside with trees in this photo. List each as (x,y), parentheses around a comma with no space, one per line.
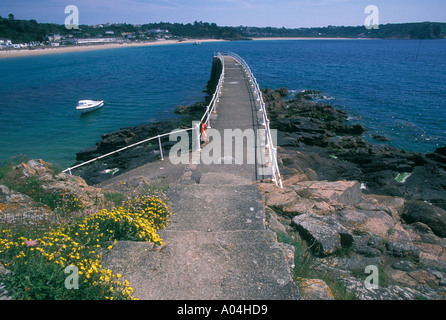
(424,30)
(30,30)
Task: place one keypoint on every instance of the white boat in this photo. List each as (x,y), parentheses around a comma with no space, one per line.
(84,106)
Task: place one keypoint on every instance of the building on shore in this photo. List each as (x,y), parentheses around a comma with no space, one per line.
(5,43)
(98,40)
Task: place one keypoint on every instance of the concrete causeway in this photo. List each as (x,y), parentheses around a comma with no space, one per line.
(216,244)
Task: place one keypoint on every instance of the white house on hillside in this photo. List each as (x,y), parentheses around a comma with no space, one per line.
(5,43)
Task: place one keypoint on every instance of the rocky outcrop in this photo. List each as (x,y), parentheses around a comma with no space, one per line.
(15,207)
(420,211)
(439,156)
(347,231)
(324,234)
(316,139)
(315,289)
(60,183)
(18,206)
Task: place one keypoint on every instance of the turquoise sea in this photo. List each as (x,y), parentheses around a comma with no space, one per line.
(383,84)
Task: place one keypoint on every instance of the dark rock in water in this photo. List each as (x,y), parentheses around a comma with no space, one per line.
(356,129)
(118,163)
(306,127)
(283,92)
(439,155)
(124,137)
(307,94)
(127,159)
(196,109)
(432,216)
(87,154)
(274,103)
(380,138)
(300,124)
(182,109)
(317,163)
(116,140)
(441,151)
(349,143)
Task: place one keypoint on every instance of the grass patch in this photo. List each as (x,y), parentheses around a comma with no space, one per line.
(384,279)
(306,267)
(32,186)
(156,189)
(116,198)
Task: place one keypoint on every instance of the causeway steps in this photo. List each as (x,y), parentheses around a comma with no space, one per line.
(217,246)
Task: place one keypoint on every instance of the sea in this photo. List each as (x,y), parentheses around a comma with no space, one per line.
(395,88)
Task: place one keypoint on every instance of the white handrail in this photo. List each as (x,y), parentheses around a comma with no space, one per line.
(276,177)
(127,147)
(215,98)
(206,119)
(209,109)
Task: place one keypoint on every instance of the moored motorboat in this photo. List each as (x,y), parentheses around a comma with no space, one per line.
(84,106)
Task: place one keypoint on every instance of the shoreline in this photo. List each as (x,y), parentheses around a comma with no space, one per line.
(80,48)
(4,54)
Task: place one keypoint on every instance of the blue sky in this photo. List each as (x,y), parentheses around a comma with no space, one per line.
(276,13)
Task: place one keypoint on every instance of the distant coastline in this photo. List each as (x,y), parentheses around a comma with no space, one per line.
(311,38)
(77,48)
(13,53)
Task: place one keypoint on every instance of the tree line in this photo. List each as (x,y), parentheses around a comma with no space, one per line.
(31,30)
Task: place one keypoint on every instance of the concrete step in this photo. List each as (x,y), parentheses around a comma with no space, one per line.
(223,178)
(215,208)
(216,248)
(206,265)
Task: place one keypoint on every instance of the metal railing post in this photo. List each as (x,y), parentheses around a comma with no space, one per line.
(161,148)
(196,137)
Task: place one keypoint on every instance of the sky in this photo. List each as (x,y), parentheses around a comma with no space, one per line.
(261,13)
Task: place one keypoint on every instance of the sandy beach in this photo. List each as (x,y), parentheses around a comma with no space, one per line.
(54,50)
